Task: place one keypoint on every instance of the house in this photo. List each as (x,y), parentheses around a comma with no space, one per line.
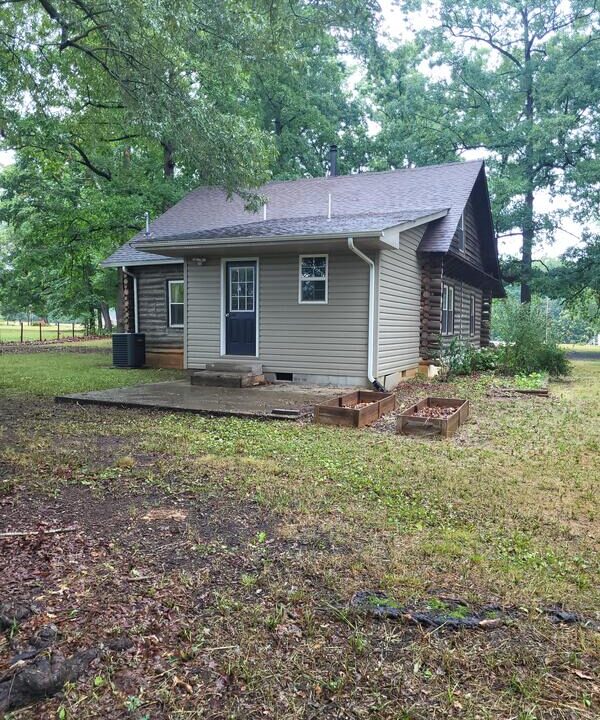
(338,279)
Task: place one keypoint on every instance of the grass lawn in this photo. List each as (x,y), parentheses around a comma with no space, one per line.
(228,551)
(56,373)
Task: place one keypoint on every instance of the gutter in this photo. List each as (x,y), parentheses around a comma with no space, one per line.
(371,335)
(135,298)
(141,263)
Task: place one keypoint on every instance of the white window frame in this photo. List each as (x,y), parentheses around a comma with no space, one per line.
(461,233)
(448,307)
(472,315)
(305,279)
(170,283)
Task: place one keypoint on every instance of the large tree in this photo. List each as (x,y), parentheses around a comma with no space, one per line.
(61,221)
(119,108)
(301,90)
(81,77)
(576,280)
(515,80)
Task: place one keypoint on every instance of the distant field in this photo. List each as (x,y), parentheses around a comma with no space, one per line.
(581,348)
(11,331)
(582,352)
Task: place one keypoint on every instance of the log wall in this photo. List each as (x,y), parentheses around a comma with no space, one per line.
(126,300)
(431,305)
(486,317)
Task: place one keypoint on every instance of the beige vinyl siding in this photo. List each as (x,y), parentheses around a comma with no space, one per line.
(328,339)
(203,312)
(152,305)
(462,293)
(321,339)
(399,305)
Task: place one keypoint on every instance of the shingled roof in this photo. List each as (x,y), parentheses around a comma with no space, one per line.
(301,205)
(362,223)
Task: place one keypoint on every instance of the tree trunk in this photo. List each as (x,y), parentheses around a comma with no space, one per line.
(104,309)
(91,322)
(527,251)
(527,222)
(168,159)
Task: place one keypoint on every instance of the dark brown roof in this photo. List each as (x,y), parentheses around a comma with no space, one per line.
(207,210)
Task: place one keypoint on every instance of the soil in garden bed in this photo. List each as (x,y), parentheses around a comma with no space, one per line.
(435,412)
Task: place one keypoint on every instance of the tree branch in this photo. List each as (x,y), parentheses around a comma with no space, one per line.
(89,164)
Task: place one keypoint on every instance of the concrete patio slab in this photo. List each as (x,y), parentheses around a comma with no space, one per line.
(268,402)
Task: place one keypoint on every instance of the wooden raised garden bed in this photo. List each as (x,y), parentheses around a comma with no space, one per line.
(539,392)
(440,415)
(355,409)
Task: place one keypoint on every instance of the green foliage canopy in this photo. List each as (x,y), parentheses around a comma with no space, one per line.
(515,81)
(116,109)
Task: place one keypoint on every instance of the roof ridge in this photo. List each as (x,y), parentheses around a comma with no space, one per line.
(390,171)
(335,178)
(371,220)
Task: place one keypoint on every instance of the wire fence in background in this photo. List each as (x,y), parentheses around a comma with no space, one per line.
(18,331)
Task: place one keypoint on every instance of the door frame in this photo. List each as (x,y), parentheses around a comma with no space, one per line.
(224,261)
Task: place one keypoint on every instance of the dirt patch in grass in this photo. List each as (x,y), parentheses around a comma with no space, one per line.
(157,535)
(244,624)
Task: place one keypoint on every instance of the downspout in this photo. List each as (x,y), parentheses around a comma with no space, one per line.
(135,298)
(371,335)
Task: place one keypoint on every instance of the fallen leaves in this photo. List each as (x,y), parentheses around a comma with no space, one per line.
(177,682)
(435,411)
(164,513)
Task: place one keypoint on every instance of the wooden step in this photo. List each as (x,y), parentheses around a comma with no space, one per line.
(236,366)
(226,379)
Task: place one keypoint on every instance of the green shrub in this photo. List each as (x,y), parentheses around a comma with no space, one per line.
(533,381)
(461,358)
(485,359)
(530,346)
(456,358)
(553,360)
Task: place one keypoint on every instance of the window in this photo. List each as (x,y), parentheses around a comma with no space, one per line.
(472,315)
(313,279)
(241,288)
(460,233)
(175,303)
(447,309)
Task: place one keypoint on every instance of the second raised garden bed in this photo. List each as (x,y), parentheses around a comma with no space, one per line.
(434,415)
(355,409)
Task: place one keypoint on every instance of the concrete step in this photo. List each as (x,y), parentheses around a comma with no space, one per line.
(226,379)
(236,366)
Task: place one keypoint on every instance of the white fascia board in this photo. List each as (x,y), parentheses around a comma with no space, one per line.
(391,235)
